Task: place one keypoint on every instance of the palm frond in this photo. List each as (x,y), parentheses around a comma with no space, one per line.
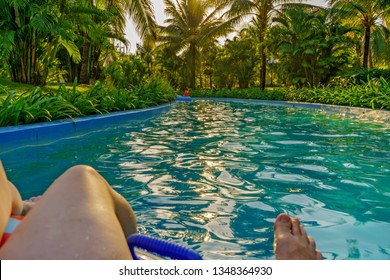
(141,12)
(71,48)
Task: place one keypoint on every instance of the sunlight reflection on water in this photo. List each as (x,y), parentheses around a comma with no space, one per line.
(214,175)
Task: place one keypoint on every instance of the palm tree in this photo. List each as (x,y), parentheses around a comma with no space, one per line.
(108,21)
(263,11)
(239,54)
(33,33)
(192,23)
(367,14)
(310,46)
(145,51)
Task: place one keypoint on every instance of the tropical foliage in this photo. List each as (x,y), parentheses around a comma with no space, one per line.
(360,76)
(310,45)
(40,105)
(285,42)
(235,62)
(293,44)
(335,54)
(262,12)
(374,94)
(370,16)
(191,25)
(73,38)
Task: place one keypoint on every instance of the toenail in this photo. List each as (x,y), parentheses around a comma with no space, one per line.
(284,219)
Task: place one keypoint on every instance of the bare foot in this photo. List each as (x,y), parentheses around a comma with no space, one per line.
(292,242)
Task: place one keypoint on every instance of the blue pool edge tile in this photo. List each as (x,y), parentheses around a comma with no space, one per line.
(61,128)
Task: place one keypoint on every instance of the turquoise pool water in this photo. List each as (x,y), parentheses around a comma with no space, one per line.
(214,175)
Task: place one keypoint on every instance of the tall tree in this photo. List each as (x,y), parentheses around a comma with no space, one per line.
(367,14)
(108,21)
(263,11)
(192,23)
(31,33)
(310,46)
(239,57)
(146,52)
(172,67)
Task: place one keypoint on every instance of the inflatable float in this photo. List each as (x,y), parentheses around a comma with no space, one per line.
(142,247)
(183,98)
(150,246)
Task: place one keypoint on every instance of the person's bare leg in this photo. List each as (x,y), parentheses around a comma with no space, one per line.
(291,241)
(79,217)
(10,200)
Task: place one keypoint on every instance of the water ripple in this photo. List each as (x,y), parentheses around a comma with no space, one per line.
(213,176)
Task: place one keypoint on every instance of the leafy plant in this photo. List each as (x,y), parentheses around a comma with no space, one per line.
(127,73)
(374,94)
(35,106)
(38,106)
(361,76)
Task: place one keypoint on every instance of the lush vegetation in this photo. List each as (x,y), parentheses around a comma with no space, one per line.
(42,104)
(338,55)
(50,39)
(374,94)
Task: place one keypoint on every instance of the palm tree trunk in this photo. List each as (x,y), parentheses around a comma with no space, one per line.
(371,60)
(84,73)
(367,38)
(24,77)
(263,72)
(193,59)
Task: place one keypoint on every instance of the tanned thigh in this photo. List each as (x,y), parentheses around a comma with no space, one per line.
(75,219)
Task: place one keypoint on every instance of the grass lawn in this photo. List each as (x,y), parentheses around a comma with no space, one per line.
(21,88)
(55,86)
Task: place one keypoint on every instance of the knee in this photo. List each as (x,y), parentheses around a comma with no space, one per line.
(81,171)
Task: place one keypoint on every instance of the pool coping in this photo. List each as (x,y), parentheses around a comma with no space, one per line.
(344,111)
(48,131)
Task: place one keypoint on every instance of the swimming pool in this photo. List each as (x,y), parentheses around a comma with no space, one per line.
(214,175)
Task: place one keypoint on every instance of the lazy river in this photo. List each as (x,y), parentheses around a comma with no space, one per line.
(214,175)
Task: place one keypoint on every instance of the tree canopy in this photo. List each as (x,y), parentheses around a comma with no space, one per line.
(203,43)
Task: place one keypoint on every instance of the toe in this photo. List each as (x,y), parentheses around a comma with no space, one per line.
(282,225)
(319,255)
(312,243)
(296,227)
(304,235)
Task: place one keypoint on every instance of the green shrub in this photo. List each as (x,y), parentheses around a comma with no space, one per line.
(35,106)
(39,106)
(155,92)
(126,73)
(361,76)
(249,93)
(375,94)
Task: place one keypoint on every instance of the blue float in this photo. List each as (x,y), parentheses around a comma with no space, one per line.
(183,98)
